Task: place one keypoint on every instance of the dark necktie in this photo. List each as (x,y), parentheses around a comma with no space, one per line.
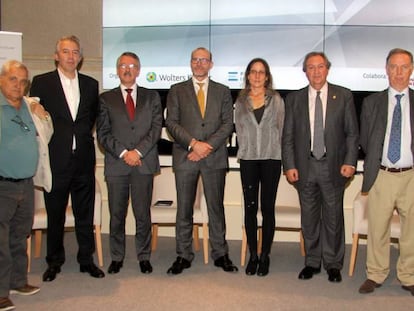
(394,146)
(130,104)
(318,149)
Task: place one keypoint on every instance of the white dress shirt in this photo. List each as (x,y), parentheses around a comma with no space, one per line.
(406,159)
(312,93)
(72,94)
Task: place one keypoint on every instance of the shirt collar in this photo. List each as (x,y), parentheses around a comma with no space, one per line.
(133,87)
(392,92)
(65,78)
(205,81)
(324,90)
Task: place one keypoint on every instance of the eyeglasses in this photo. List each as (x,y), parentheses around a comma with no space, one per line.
(196,60)
(130,66)
(23,126)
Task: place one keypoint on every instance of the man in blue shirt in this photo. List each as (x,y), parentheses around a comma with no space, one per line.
(18,162)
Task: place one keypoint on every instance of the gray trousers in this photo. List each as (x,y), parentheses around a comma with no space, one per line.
(186,185)
(16,220)
(120,189)
(322,217)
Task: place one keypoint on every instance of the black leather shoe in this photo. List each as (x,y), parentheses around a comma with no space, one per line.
(334,275)
(93,270)
(308,272)
(115,266)
(263,266)
(145,266)
(50,274)
(225,263)
(251,267)
(179,265)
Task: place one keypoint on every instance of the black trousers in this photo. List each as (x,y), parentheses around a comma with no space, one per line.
(263,175)
(81,187)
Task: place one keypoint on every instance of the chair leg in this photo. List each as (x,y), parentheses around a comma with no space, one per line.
(243,247)
(29,252)
(260,241)
(302,244)
(154,237)
(196,238)
(98,242)
(38,243)
(354,251)
(205,242)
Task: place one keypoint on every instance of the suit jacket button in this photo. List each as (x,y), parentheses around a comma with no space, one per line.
(202,124)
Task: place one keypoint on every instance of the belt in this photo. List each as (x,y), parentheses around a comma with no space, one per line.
(395,170)
(11,179)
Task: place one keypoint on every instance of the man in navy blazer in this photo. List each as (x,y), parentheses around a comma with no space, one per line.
(200,133)
(389,180)
(320,179)
(71,98)
(131,158)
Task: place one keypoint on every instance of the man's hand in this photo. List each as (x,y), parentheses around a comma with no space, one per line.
(347,170)
(292,175)
(132,158)
(39,111)
(202,149)
(194,157)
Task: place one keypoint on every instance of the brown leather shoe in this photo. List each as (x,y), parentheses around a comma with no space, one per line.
(25,290)
(410,288)
(368,287)
(6,304)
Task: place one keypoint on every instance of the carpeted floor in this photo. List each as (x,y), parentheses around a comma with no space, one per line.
(205,287)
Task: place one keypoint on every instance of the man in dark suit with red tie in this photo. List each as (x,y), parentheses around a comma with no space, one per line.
(129,127)
(71,98)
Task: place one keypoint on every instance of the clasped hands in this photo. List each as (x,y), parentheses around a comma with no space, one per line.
(132,158)
(199,150)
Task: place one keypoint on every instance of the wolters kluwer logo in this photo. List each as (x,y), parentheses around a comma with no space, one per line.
(151,76)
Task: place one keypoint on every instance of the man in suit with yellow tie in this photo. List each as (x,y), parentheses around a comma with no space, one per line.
(200,119)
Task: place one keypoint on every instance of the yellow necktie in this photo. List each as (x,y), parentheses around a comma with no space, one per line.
(201,98)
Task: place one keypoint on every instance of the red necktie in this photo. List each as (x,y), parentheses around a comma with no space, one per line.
(130,104)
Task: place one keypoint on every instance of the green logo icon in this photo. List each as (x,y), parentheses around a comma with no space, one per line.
(151,76)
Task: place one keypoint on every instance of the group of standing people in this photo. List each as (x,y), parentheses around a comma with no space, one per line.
(313,135)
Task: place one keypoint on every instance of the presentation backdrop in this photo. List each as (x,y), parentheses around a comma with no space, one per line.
(356,35)
(10,46)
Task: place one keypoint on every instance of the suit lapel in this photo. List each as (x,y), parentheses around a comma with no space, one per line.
(331,107)
(411,95)
(61,98)
(304,100)
(192,95)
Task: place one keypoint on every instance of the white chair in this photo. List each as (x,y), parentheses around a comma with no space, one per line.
(164,189)
(287,215)
(360,226)
(40,223)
